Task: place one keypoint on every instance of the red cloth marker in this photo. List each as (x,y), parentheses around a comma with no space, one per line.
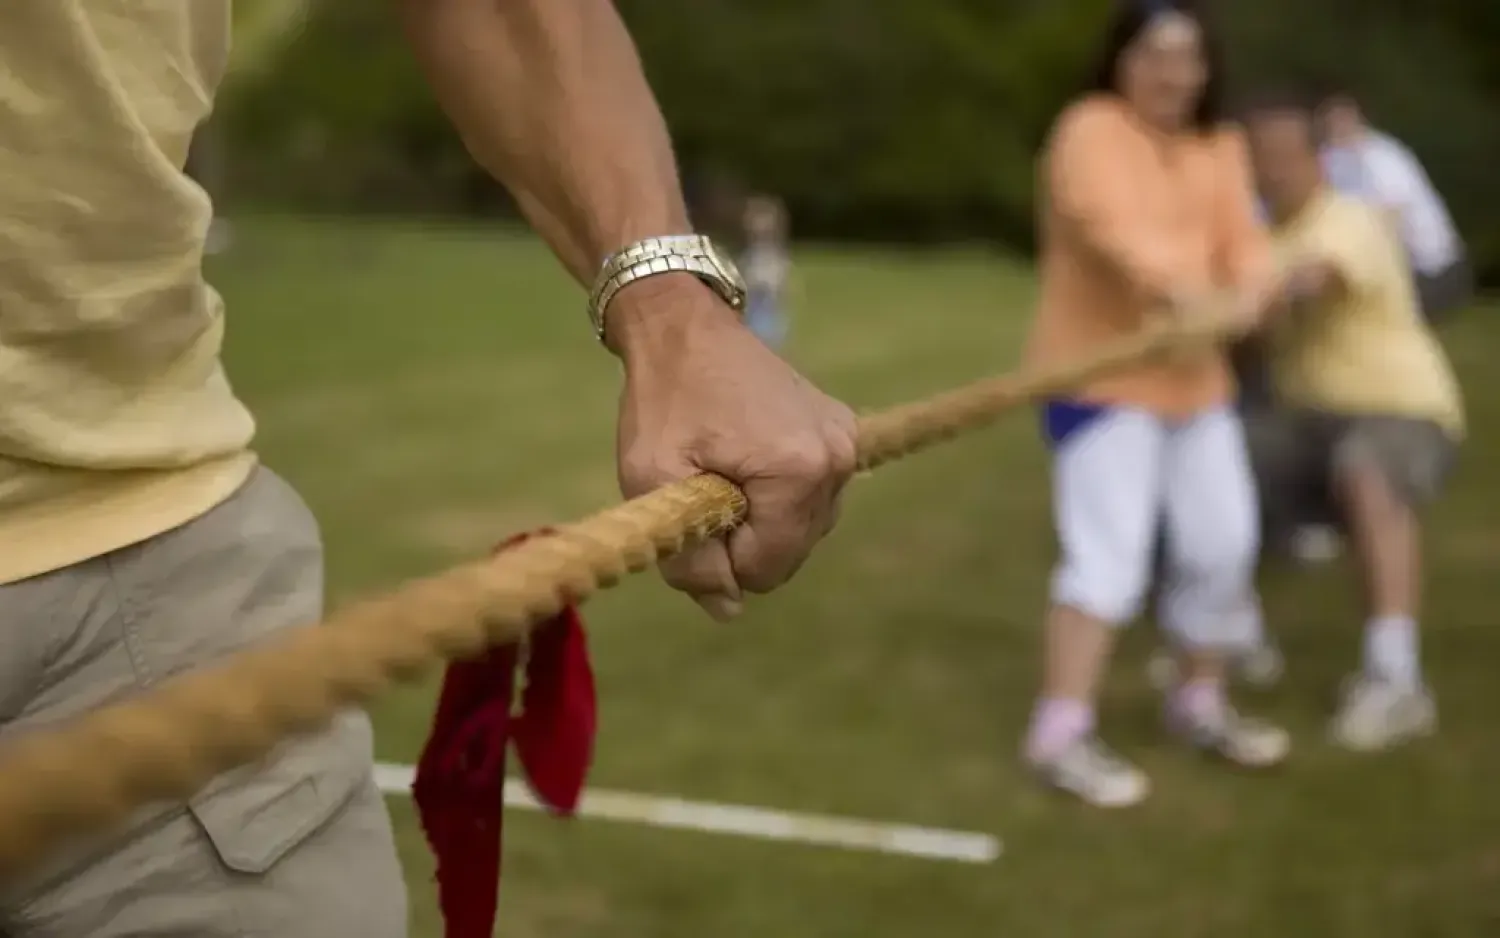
(460,782)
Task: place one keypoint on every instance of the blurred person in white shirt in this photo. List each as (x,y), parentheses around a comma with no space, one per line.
(1371,164)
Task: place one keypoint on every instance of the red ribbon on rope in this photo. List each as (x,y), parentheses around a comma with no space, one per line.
(460,780)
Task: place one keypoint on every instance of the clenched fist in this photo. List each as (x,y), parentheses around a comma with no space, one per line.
(703,394)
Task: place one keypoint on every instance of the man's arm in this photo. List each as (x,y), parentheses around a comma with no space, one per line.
(1353,256)
(1090,191)
(1396,180)
(551,99)
(1244,248)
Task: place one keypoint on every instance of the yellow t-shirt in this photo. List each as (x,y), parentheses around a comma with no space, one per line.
(116,420)
(1367,351)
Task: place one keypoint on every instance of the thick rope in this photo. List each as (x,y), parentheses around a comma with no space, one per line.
(170,741)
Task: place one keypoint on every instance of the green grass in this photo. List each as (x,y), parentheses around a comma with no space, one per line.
(431,391)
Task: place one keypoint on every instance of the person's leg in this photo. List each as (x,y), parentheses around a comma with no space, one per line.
(1385,469)
(1209,606)
(298,846)
(1277,447)
(1288,451)
(1288,458)
(1106,496)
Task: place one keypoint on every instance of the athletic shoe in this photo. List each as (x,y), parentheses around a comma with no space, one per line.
(1090,770)
(1244,741)
(1377,714)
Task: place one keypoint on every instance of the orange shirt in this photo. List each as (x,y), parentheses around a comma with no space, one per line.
(1130,215)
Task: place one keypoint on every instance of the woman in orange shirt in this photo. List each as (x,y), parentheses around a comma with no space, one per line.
(1148,210)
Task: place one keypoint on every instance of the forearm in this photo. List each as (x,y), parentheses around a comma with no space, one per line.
(549,96)
(1140,259)
(1090,170)
(1255,278)
(1249,263)
(1109,225)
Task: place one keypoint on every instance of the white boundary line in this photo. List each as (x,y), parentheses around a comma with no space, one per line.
(742,821)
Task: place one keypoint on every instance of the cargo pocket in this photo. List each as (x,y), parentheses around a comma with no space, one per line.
(257,815)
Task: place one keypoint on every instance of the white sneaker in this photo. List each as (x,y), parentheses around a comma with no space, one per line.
(1377,714)
(1244,741)
(1094,773)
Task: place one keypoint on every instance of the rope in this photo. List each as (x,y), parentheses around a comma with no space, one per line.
(171,740)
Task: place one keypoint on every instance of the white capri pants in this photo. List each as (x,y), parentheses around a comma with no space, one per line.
(1122,473)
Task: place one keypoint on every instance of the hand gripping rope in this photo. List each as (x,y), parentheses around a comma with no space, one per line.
(168,742)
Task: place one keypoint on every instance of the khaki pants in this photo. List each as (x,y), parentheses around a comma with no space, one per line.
(297,847)
(1295,453)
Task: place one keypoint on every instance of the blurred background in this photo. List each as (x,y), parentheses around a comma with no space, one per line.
(423,372)
(908,121)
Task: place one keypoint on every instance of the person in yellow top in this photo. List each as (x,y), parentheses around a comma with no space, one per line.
(139,535)
(1366,404)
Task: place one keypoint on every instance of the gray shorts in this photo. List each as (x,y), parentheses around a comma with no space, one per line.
(299,846)
(1446,291)
(1295,454)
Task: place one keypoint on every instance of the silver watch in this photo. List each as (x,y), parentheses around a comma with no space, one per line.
(691,254)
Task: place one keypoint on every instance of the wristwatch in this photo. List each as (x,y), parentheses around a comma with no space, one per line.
(691,254)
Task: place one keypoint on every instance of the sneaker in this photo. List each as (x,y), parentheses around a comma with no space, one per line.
(1092,771)
(1244,741)
(1377,714)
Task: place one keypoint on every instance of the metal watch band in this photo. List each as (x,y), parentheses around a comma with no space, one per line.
(693,254)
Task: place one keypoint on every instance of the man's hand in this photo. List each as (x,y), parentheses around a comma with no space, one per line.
(703,394)
(551,98)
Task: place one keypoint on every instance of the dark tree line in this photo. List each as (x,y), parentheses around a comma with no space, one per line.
(908,120)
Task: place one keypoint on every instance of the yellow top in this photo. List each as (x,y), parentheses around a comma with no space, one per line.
(1367,350)
(116,421)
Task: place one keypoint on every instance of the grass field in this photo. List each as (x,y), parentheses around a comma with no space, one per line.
(432,391)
